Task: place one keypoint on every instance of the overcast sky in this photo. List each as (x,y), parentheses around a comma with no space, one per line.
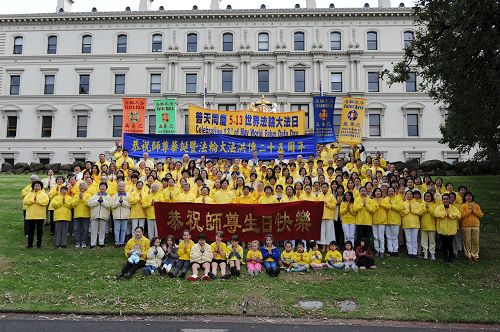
(49,6)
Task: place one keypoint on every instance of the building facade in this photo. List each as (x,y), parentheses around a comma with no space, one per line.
(63,75)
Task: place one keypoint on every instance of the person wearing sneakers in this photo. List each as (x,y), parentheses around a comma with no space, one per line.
(201,257)
(349,256)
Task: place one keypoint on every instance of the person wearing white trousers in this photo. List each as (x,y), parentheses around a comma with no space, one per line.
(152,229)
(138,223)
(392,233)
(349,231)
(411,235)
(379,235)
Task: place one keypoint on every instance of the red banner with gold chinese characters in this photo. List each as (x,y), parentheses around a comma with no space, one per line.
(285,221)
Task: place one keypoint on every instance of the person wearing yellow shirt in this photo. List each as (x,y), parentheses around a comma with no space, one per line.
(234,254)
(186,195)
(219,249)
(92,186)
(286,258)
(428,227)
(137,212)
(301,260)
(327,225)
(289,195)
(54,191)
(315,257)
(422,187)
(411,222)
(258,192)
(138,245)
(307,195)
(333,256)
(471,215)
(447,222)
(81,215)
(254,259)
(393,221)
(224,195)
(376,167)
(245,198)
(244,169)
(379,221)
(238,186)
(36,203)
(268,197)
(95,173)
(348,216)
(62,205)
(102,161)
(364,206)
(205,197)
(124,158)
(148,202)
(184,252)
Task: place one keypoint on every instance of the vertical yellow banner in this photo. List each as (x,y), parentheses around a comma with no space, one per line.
(353,119)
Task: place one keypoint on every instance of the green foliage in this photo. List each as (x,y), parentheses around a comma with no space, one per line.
(82,281)
(457,53)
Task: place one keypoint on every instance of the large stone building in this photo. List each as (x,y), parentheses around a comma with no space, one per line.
(62,75)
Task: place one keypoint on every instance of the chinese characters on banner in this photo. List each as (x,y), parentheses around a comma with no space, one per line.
(165,116)
(353,119)
(217,146)
(245,123)
(134,114)
(323,119)
(285,221)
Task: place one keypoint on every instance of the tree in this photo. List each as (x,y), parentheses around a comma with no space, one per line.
(456,51)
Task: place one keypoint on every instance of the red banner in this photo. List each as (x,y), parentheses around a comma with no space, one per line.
(285,221)
(134,115)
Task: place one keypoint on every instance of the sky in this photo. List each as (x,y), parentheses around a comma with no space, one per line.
(49,6)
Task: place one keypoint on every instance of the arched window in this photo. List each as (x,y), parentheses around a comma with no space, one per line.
(52,45)
(87,44)
(227,42)
(192,42)
(335,41)
(409,36)
(371,40)
(18,45)
(263,41)
(121,44)
(299,41)
(157,43)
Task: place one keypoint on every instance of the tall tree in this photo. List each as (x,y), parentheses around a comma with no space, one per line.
(457,54)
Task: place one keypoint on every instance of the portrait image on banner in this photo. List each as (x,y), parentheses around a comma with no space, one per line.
(165,111)
(353,119)
(323,119)
(134,115)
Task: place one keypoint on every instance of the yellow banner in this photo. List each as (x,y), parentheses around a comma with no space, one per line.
(245,123)
(353,119)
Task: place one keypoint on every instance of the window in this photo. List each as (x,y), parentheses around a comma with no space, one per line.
(335,41)
(18,45)
(263,80)
(47,126)
(227,42)
(11,126)
(9,160)
(87,44)
(336,122)
(121,44)
(191,83)
(299,41)
(152,124)
(117,125)
(119,84)
(52,45)
(263,41)
(302,107)
(49,84)
(157,44)
(412,123)
(408,38)
(371,40)
(44,159)
(84,88)
(411,82)
(374,124)
(155,85)
(227,81)
(15,84)
(227,107)
(373,82)
(299,80)
(186,123)
(82,125)
(192,42)
(336,82)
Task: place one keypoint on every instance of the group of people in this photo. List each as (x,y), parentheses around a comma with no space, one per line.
(370,200)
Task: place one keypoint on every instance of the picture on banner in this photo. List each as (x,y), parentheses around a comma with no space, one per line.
(134,115)
(284,221)
(246,123)
(353,119)
(323,119)
(165,111)
(218,146)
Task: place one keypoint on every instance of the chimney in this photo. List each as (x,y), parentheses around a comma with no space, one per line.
(311,4)
(64,6)
(145,5)
(214,5)
(384,3)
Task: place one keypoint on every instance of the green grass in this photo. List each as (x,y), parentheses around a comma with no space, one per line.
(82,281)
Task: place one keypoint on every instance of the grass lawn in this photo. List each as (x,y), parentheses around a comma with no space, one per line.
(82,281)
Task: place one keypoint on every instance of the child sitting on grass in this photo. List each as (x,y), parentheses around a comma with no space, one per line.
(315,257)
(184,250)
(333,256)
(234,254)
(301,259)
(135,255)
(364,257)
(254,259)
(170,257)
(155,255)
(286,259)
(349,256)
(201,257)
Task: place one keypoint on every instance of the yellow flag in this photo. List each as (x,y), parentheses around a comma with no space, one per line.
(353,119)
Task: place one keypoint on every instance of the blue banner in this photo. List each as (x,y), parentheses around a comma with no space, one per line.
(324,129)
(222,146)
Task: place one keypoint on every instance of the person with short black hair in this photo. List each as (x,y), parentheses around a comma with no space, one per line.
(36,203)
(201,256)
(100,205)
(136,251)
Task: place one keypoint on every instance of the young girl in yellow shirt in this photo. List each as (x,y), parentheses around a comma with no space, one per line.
(254,259)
